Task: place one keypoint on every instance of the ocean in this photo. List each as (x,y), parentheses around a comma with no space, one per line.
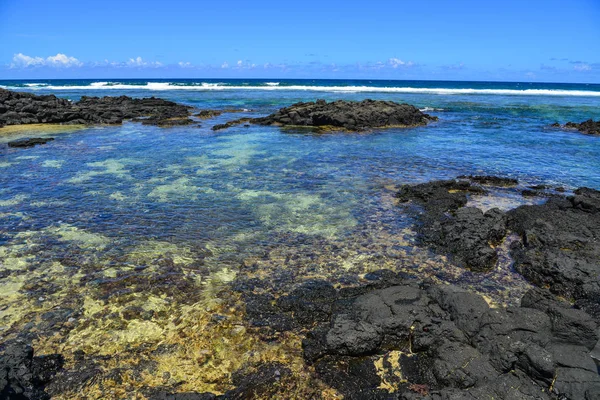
(107,218)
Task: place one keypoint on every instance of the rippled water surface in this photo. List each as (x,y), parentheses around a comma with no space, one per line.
(108,218)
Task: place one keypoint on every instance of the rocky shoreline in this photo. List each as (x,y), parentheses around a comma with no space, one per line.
(402,337)
(18,108)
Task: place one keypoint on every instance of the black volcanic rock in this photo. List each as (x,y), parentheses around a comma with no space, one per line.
(560,239)
(23,376)
(342,115)
(589,127)
(491,180)
(29,142)
(561,246)
(446,342)
(18,108)
(206,114)
(450,227)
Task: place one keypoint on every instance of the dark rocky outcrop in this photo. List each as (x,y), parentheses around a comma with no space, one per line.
(561,246)
(229,124)
(206,114)
(17,108)
(589,127)
(23,376)
(491,180)
(342,115)
(399,338)
(29,142)
(450,227)
(450,344)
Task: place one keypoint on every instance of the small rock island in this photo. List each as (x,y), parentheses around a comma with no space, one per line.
(342,115)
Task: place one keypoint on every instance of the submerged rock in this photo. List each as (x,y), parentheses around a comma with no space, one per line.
(342,115)
(264,382)
(206,114)
(29,142)
(17,108)
(589,127)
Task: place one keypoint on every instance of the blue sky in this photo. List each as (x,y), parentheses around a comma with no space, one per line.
(510,40)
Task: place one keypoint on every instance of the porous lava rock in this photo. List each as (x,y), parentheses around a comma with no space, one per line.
(17,108)
(344,115)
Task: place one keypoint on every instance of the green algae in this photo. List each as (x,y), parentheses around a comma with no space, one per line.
(12,132)
(70,233)
(113,167)
(307,213)
(53,163)
(179,188)
(13,201)
(118,196)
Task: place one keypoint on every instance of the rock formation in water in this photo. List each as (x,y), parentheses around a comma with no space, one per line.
(29,142)
(17,108)
(342,115)
(559,247)
(589,127)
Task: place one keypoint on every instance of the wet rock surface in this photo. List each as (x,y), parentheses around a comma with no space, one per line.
(400,338)
(23,376)
(206,114)
(559,247)
(17,108)
(589,127)
(29,142)
(342,115)
(448,226)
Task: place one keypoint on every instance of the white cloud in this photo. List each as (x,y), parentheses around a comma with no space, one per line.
(396,62)
(58,61)
(582,67)
(184,64)
(225,65)
(139,62)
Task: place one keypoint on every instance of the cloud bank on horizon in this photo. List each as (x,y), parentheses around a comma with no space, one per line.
(62,64)
(538,40)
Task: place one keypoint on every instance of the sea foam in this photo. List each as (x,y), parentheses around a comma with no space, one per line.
(270,86)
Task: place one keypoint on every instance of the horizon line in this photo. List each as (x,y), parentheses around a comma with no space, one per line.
(305,79)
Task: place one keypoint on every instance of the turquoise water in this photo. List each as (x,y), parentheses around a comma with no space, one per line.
(104,218)
(193,185)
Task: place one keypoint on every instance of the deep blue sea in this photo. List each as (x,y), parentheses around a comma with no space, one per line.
(106,202)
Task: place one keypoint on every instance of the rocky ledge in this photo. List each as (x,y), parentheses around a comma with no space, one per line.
(589,127)
(559,240)
(341,115)
(17,108)
(400,338)
(440,342)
